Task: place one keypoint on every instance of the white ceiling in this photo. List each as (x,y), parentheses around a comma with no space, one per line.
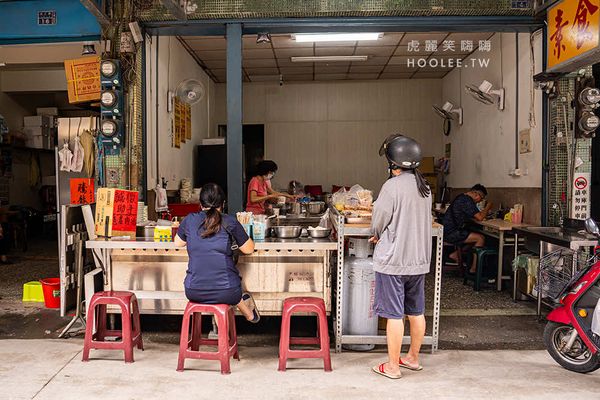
(387,57)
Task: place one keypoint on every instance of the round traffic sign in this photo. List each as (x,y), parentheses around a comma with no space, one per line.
(580,183)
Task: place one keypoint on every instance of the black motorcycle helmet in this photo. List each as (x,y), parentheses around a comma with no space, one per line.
(401,152)
(405,153)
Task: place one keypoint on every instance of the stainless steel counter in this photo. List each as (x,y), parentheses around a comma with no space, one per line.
(278,268)
(267,244)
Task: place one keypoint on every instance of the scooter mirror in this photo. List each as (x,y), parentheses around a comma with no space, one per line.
(592,227)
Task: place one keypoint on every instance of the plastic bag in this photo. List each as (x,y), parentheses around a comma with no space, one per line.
(339,199)
(78,155)
(66,157)
(358,198)
(161,204)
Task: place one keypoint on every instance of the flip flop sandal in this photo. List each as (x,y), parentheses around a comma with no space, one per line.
(380,370)
(247,298)
(402,365)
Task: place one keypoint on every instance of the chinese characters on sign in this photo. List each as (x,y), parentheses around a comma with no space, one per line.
(580,207)
(83,79)
(46,17)
(414,46)
(82,191)
(573,31)
(125,211)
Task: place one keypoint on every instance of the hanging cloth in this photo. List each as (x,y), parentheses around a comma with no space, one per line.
(34,171)
(65,156)
(89,150)
(78,154)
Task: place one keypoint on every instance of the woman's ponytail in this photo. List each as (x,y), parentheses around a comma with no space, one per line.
(212,224)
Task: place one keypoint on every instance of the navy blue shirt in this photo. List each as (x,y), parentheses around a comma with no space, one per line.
(463,208)
(211,263)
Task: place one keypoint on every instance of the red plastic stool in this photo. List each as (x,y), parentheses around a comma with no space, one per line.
(294,305)
(131,335)
(227,345)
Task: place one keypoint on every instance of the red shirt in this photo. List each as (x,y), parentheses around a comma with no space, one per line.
(261,187)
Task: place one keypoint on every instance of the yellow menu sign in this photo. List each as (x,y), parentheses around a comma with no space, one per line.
(573,33)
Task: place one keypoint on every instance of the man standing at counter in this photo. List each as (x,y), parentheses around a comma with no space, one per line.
(401,229)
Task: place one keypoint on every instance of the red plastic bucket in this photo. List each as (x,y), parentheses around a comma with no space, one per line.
(51,288)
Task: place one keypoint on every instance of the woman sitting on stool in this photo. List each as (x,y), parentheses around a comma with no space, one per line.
(212,276)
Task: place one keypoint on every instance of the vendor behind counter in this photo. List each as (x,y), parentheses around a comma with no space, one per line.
(260,193)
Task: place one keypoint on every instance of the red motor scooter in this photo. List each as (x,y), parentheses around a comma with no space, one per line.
(572,334)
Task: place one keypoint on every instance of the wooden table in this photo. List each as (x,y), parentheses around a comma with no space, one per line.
(498,229)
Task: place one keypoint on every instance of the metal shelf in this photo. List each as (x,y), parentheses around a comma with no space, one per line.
(344,231)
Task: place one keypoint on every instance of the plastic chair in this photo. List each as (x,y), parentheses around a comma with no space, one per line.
(485,257)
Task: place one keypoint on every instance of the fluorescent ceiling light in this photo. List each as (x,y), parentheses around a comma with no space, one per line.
(335,37)
(329,59)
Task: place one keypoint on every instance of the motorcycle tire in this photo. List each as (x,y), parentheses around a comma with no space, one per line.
(550,331)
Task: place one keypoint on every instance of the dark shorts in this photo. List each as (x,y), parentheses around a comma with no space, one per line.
(230,296)
(456,237)
(399,295)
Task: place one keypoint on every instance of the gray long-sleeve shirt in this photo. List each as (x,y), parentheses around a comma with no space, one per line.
(402,223)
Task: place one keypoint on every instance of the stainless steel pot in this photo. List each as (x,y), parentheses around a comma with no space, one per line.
(287,232)
(145,231)
(316,207)
(319,233)
(295,208)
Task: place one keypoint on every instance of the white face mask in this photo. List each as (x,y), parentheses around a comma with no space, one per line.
(270,176)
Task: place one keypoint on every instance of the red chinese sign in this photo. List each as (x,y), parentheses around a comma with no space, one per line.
(82,191)
(573,31)
(125,211)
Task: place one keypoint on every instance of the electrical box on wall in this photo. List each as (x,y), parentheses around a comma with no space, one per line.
(525,141)
(112,126)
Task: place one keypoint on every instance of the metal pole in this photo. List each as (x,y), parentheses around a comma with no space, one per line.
(234,118)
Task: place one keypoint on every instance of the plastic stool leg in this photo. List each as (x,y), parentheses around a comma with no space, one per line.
(183,340)
(88,332)
(284,340)
(126,331)
(233,334)
(324,336)
(137,325)
(196,331)
(223,342)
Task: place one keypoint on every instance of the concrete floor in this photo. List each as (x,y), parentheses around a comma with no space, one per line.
(52,369)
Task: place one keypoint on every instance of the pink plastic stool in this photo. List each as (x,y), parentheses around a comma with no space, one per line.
(131,335)
(294,305)
(227,345)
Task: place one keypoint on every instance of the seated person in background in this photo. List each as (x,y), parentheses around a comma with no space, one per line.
(463,208)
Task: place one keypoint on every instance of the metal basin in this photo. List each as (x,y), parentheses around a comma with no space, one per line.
(287,232)
(319,233)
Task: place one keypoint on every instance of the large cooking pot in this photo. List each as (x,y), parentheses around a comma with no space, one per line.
(316,207)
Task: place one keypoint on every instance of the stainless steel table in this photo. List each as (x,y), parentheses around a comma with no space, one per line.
(277,269)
